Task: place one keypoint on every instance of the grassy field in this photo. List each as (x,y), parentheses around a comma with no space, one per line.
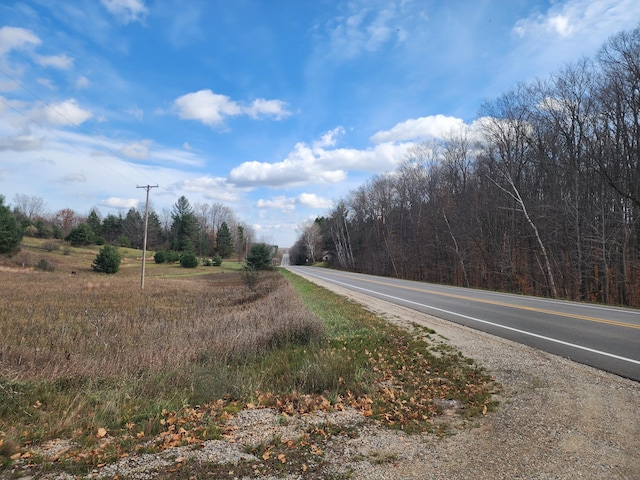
(85,354)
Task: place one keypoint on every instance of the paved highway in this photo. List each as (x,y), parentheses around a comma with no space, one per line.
(603,337)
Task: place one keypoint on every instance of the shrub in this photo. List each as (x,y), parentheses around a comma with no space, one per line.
(45,266)
(108,260)
(31,231)
(51,246)
(80,236)
(259,257)
(189,260)
(123,241)
(160,256)
(217,261)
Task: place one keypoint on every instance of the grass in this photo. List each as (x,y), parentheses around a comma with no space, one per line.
(87,357)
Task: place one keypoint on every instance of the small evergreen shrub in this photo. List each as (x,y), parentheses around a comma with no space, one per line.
(189,260)
(108,260)
(217,261)
(160,256)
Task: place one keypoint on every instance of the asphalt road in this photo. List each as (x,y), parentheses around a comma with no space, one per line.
(606,338)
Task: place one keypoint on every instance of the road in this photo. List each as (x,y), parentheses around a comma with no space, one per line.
(606,338)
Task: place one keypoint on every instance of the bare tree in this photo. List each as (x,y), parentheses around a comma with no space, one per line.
(30,206)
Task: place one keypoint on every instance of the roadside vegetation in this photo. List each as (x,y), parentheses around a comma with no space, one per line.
(91,362)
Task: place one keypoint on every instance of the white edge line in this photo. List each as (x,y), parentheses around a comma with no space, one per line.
(523,332)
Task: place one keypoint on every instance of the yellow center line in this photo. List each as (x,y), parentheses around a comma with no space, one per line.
(504,304)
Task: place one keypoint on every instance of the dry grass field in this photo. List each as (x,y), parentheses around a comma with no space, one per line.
(82,354)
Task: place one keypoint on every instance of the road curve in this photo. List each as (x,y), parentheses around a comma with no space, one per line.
(603,337)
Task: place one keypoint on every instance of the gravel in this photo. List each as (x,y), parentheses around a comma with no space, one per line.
(556,420)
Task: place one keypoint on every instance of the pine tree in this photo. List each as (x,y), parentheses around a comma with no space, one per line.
(224,245)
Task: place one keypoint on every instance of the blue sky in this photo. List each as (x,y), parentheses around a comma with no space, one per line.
(276,108)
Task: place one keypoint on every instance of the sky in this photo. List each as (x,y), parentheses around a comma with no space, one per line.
(275,108)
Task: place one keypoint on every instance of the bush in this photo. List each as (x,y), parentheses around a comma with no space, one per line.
(51,246)
(259,257)
(189,260)
(45,266)
(217,261)
(80,236)
(160,257)
(108,260)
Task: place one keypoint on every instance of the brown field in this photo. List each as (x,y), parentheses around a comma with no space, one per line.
(63,324)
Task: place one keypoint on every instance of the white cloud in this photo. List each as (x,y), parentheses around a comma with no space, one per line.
(283,203)
(312,200)
(591,20)
(212,108)
(83,82)
(16,38)
(277,203)
(205,106)
(73,178)
(20,143)
(63,113)
(365,29)
(138,150)
(329,138)
(268,108)
(47,83)
(212,188)
(127,10)
(317,165)
(433,126)
(63,62)
(136,113)
(120,203)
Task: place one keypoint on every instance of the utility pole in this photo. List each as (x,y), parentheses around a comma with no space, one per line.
(146,223)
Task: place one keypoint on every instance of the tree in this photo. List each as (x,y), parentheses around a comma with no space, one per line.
(111,228)
(29,206)
(10,231)
(81,235)
(184,227)
(259,257)
(133,228)
(224,246)
(66,219)
(108,260)
(93,220)
(312,240)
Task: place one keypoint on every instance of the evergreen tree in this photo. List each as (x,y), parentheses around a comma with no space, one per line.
(10,232)
(224,244)
(111,228)
(81,235)
(184,227)
(259,257)
(108,260)
(93,220)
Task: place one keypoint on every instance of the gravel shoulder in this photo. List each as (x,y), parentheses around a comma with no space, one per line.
(557,419)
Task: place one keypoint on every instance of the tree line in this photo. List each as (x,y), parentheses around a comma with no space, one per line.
(540,195)
(207,230)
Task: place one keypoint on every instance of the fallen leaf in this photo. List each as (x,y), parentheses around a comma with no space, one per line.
(101,432)
(484,409)
(266,455)
(282,458)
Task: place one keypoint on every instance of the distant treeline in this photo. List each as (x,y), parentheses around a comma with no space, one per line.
(541,195)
